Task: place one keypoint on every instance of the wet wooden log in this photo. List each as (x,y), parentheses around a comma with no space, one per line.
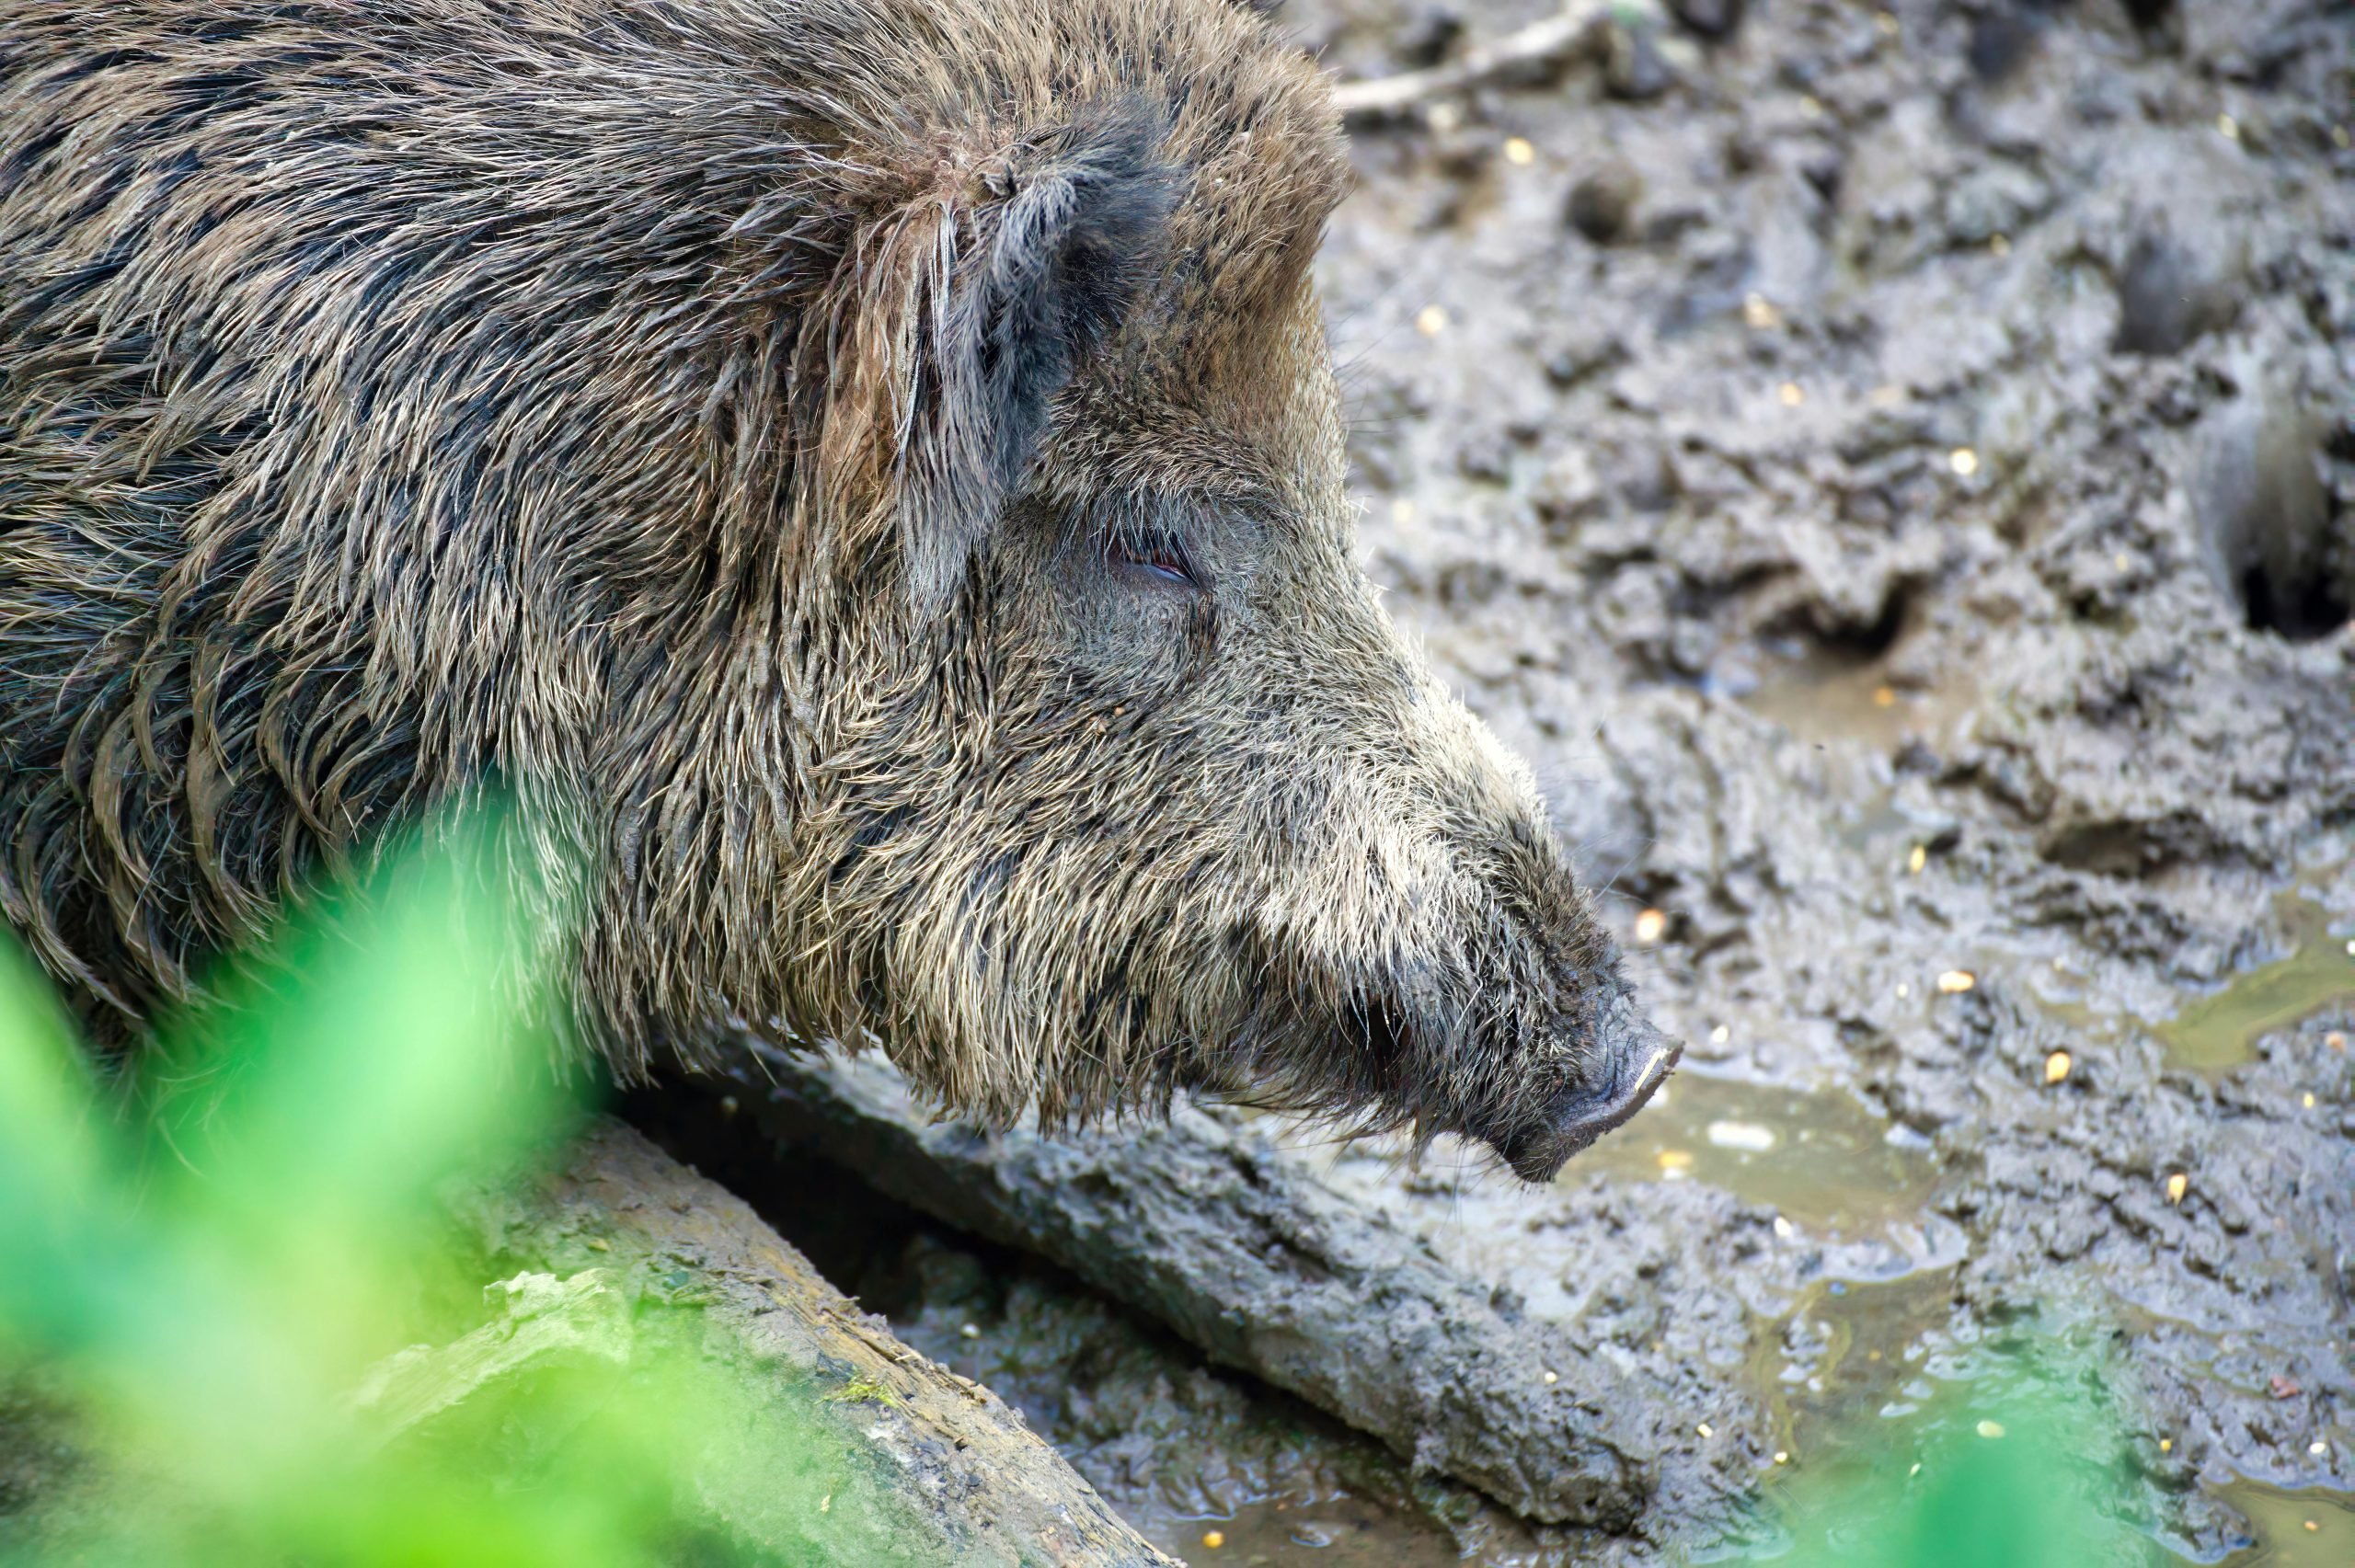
(625,1242)
(1206,1225)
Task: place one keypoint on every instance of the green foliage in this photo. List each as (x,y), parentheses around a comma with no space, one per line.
(2018,1462)
(207,1262)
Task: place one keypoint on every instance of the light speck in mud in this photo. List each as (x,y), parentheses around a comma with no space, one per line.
(1748,1136)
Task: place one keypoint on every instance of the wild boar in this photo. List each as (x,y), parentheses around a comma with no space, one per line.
(868,476)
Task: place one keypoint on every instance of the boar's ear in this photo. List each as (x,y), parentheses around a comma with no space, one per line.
(1020,276)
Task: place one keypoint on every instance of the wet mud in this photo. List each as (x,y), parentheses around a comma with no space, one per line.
(1892,471)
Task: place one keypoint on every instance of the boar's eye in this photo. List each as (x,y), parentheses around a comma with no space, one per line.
(1154,551)
(1145,538)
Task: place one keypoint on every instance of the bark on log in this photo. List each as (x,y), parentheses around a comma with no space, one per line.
(625,1242)
(1205,1224)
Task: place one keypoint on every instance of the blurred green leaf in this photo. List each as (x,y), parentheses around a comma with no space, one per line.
(210,1254)
(2015,1459)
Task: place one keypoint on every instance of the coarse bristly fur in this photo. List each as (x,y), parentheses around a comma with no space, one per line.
(866,473)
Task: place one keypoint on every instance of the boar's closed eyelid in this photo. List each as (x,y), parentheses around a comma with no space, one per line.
(1148,535)
(1162,553)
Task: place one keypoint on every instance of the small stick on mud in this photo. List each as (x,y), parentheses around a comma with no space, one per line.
(1540,44)
(1207,1225)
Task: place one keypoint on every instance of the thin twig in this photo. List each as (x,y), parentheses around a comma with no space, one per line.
(1540,43)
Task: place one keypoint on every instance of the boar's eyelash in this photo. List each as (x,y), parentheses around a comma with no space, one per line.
(1156,551)
(1146,531)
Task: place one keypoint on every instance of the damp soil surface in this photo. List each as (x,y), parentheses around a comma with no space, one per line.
(1892,471)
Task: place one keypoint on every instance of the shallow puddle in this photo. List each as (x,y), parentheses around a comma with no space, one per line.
(1346,1533)
(1821,695)
(1824,1159)
(1834,1374)
(2294,1530)
(2222,1030)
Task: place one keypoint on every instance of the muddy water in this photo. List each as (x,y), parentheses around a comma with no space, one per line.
(1827,696)
(1859,1371)
(2295,1529)
(2220,1031)
(1822,1161)
(1342,1533)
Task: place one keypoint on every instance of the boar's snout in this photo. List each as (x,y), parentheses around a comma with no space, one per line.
(1429,958)
(1631,1060)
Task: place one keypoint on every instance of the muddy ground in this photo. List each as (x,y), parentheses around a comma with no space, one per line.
(1892,471)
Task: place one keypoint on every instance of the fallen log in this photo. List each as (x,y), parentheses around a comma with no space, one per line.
(624,1244)
(1206,1225)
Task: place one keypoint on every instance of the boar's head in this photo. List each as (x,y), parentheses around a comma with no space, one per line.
(1118,779)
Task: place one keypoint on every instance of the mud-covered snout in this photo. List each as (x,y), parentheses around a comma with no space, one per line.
(1629,1059)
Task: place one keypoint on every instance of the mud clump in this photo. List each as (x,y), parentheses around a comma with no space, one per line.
(1710,18)
(2172,291)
